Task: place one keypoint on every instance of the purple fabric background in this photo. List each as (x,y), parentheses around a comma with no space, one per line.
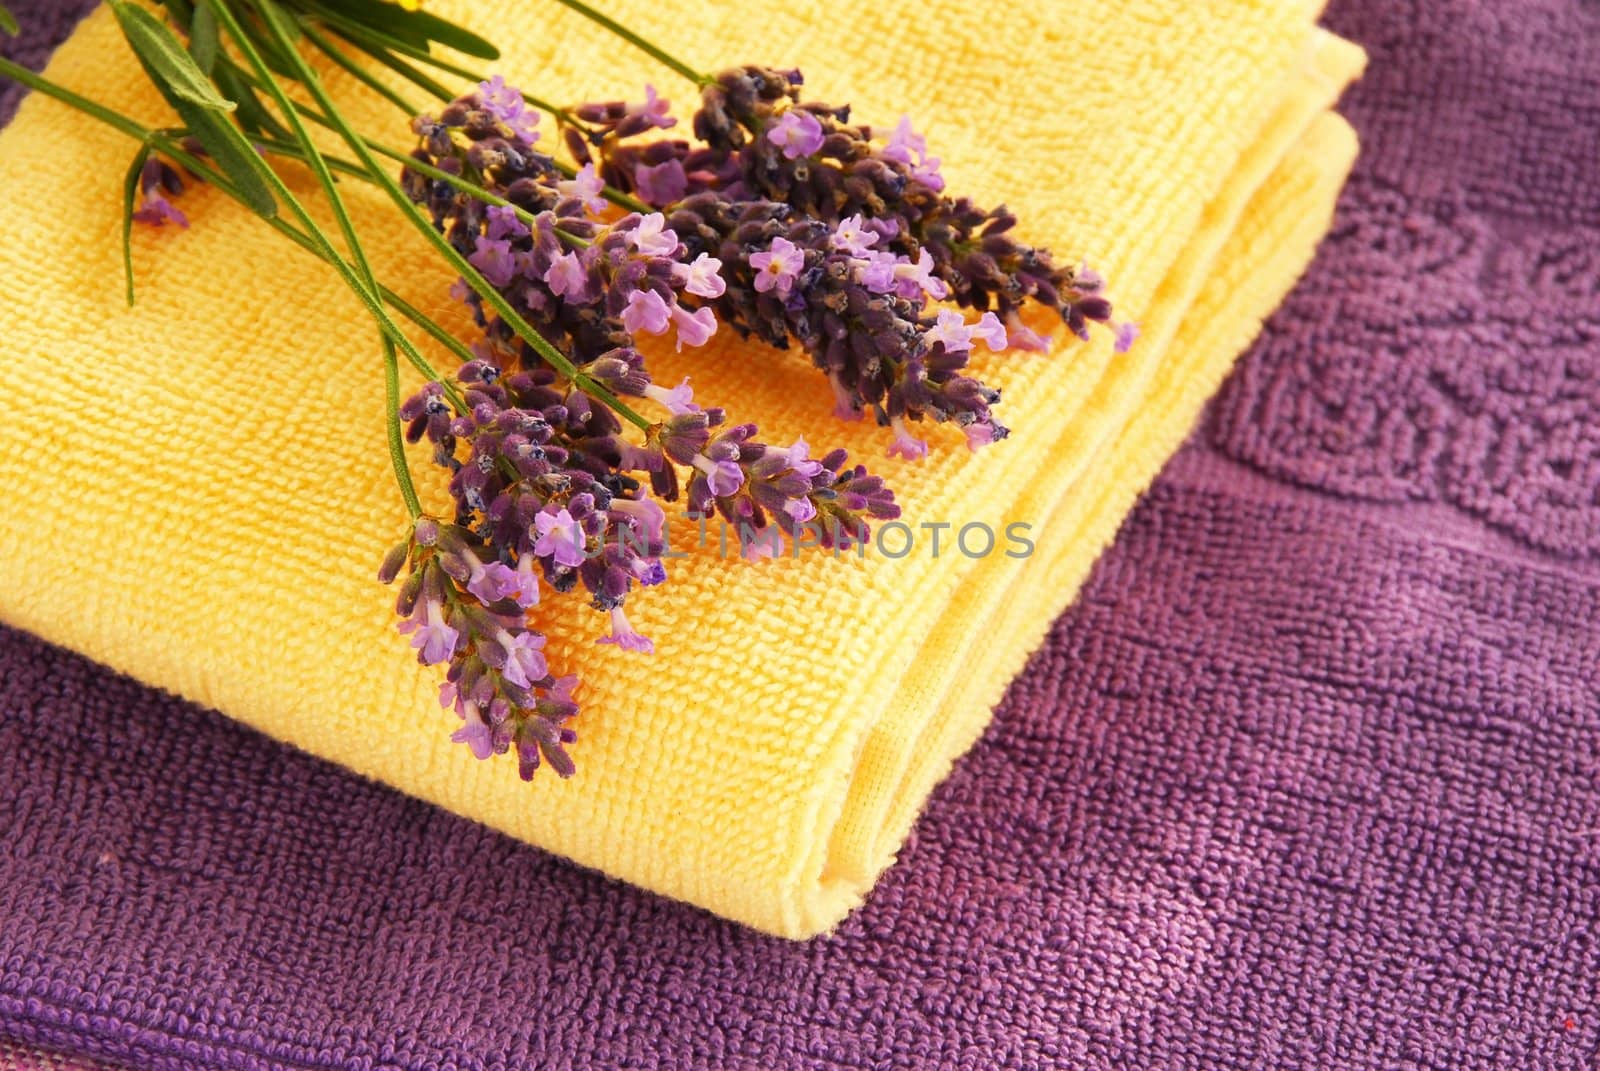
(1309,777)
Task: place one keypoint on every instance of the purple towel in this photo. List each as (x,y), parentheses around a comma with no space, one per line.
(1309,778)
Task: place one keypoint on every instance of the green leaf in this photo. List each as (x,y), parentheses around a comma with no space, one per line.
(8,22)
(419,27)
(187,89)
(421,78)
(164,57)
(203,43)
(130,190)
(181,12)
(254,116)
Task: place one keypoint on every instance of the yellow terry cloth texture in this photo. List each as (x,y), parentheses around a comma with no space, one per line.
(196,491)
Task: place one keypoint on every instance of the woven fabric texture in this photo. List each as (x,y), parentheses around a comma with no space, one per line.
(230,496)
(1305,778)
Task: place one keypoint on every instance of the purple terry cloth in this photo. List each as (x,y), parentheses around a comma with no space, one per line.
(1308,778)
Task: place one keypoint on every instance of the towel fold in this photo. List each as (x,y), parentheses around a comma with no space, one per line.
(195,491)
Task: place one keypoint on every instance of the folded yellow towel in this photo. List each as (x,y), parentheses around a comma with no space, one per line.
(199,495)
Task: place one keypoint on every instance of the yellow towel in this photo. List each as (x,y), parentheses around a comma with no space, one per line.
(196,492)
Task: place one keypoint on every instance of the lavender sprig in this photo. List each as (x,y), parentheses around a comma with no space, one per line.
(468,614)
(808,154)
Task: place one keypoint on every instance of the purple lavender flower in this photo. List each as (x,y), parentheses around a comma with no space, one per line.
(506,105)
(778,266)
(761,545)
(702,277)
(155,210)
(950,330)
(800,510)
(491,582)
(679,399)
(662,183)
(652,238)
(561,538)
(908,147)
(495,260)
(568,277)
(905,444)
(694,328)
(799,460)
(475,733)
(646,312)
(878,275)
(853,237)
(655,109)
(526,591)
(723,477)
(434,640)
(503,223)
(524,657)
(586,186)
(624,636)
(915,278)
(643,513)
(1127,331)
(1023,337)
(991,332)
(797,133)
(157,183)
(499,99)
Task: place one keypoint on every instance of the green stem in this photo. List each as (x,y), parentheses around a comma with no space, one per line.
(295,151)
(356,71)
(391,365)
(313,156)
(556,359)
(358,36)
(644,45)
(397,445)
(364,286)
(18,73)
(208,174)
(610,193)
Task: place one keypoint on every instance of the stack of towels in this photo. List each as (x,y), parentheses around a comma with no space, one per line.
(195,492)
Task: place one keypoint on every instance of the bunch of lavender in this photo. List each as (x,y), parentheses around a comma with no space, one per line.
(784,222)
(840,244)
(593,289)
